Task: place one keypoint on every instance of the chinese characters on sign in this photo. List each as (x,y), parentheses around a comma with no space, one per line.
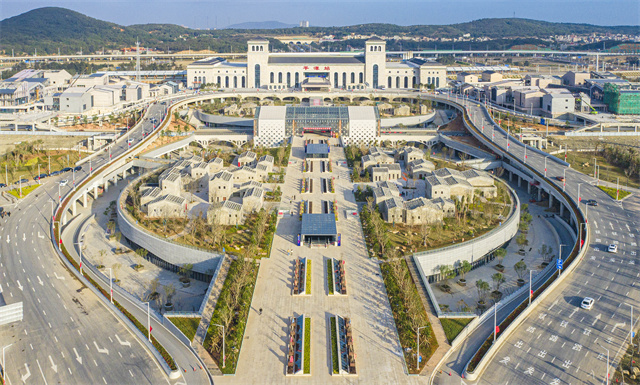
(317,68)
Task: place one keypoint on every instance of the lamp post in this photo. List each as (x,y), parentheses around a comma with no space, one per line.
(73,173)
(631,324)
(545,166)
(418,344)
(4,370)
(530,286)
(607,360)
(525,153)
(149,319)
(580,233)
(39,174)
(579,198)
(79,244)
(618,188)
(564,179)
(560,258)
(21,185)
(110,284)
(495,321)
(223,346)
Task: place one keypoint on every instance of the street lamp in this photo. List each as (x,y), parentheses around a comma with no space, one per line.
(80,244)
(110,284)
(580,233)
(607,360)
(495,321)
(631,324)
(530,287)
(4,370)
(149,319)
(545,166)
(525,154)
(418,343)
(579,199)
(564,179)
(21,185)
(223,346)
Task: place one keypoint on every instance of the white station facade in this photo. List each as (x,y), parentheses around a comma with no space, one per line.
(316,71)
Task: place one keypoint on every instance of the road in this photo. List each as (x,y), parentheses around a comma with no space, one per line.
(66,336)
(558,343)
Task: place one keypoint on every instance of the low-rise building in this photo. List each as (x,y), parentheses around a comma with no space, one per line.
(420,168)
(491,76)
(226,213)
(377,159)
(466,77)
(247,158)
(408,154)
(575,78)
(556,105)
(381,194)
(148,196)
(266,161)
(220,186)
(171,183)
(215,165)
(253,199)
(167,206)
(386,173)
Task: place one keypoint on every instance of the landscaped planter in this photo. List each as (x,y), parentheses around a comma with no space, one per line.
(500,268)
(496,295)
(520,282)
(168,306)
(462,282)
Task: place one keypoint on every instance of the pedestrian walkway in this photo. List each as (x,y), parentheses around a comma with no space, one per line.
(379,359)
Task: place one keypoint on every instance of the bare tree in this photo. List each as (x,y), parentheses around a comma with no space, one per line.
(425,230)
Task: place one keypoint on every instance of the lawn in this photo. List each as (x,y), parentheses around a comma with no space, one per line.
(308,279)
(612,192)
(334,345)
(25,190)
(187,325)
(307,346)
(453,326)
(584,162)
(232,310)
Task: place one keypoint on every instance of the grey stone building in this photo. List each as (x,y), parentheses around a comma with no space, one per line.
(220,186)
(167,206)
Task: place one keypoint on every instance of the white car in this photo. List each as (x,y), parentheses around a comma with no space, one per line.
(64,182)
(130,140)
(613,248)
(587,303)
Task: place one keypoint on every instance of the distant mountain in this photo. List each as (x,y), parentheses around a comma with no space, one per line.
(49,29)
(261,25)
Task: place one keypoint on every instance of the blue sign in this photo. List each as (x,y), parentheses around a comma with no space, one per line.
(559,264)
(420,358)
(298,239)
(339,239)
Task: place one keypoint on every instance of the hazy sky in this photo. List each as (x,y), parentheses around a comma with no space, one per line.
(213,13)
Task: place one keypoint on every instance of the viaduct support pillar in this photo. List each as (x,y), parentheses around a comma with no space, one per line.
(528,188)
(540,194)
(550,200)
(84,199)
(561,209)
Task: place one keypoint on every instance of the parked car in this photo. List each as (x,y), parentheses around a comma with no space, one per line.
(38,177)
(66,169)
(587,303)
(55,173)
(77,168)
(64,182)
(23,180)
(613,248)
(2,185)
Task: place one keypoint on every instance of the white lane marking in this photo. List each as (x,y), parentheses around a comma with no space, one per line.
(78,358)
(53,366)
(41,372)
(20,286)
(125,343)
(103,351)
(40,281)
(24,377)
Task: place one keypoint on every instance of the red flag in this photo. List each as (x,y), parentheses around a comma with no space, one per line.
(497,329)
(150,328)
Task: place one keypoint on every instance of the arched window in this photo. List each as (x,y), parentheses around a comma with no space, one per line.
(389,82)
(361,78)
(235,82)
(257,76)
(219,81)
(371,49)
(279,77)
(429,80)
(335,80)
(204,80)
(437,82)
(375,76)
(413,82)
(344,79)
(397,81)
(272,78)
(406,82)
(353,77)
(297,80)
(243,82)
(226,82)
(261,48)
(288,79)
(253,48)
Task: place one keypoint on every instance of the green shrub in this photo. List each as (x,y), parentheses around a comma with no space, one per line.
(330,275)
(308,279)
(334,345)
(307,345)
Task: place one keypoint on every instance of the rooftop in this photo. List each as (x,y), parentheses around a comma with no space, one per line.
(319,60)
(319,224)
(317,148)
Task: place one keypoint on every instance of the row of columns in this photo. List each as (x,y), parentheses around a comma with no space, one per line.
(551,198)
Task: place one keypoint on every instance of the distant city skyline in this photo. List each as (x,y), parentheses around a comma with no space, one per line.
(219,14)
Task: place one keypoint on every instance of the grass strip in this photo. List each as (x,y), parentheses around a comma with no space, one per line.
(187,325)
(453,326)
(334,345)
(330,275)
(308,279)
(25,191)
(307,346)
(612,192)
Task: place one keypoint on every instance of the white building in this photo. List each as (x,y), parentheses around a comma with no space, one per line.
(315,71)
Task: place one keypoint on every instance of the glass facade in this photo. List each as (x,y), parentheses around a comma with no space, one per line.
(336,118)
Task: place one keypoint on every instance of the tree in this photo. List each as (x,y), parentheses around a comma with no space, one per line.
(521,268)
(142,253)
(447,273)
(465,267)
(116,267)
(425,229)
(521,240)
(185,271)
(545,252)
(500,254)
(117,236)
(169,291)
(483,290)
(498,279)
(280,154)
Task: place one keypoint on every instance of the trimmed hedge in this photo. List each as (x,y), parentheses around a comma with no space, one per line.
(330,275)
(308,278)
(334,345)
(307,346)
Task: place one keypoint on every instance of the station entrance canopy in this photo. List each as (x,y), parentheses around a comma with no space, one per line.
(318,119)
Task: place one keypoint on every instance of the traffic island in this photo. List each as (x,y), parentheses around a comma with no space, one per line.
(336,277)
(299,349)
(302,277)
(343,357)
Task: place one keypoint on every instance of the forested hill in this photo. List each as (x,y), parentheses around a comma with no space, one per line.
(49,29)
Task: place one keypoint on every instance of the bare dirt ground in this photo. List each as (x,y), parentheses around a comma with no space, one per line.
(8,142)
(93,127)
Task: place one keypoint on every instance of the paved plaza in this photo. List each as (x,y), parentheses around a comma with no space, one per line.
(378,353)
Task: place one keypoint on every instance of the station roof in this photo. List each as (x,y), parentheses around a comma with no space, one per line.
(319,224)
(317,148)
